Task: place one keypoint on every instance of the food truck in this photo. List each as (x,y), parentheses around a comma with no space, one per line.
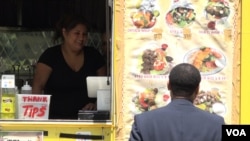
(162,28)
(142,28)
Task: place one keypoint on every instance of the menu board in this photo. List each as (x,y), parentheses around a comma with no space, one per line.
(159,34)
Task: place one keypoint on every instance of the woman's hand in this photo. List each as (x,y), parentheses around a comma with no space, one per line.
(89,106)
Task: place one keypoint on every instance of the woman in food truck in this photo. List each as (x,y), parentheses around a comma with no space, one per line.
(61,70)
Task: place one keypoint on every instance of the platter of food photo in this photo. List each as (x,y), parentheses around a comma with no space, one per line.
(149,99)
(212,101)
(206,59)
(152,58)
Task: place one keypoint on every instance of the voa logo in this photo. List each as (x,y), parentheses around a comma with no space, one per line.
(236,132)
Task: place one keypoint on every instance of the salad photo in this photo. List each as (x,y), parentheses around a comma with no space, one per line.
(181,14)
(180,17)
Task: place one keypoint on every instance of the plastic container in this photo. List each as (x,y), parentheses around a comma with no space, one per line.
(26,88)
(8,105)
(7,97)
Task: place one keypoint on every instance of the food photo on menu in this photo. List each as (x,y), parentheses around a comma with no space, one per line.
(150,98)
(218,9)
(181,14)
(217,12)
(206,59)
(152,58)
(212,100)
(147,97)
(145,13)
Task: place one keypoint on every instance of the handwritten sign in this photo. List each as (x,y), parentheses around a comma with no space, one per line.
(33,106)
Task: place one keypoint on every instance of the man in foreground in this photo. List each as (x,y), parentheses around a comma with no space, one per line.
(180,120)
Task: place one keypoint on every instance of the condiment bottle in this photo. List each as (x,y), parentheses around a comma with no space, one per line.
(26,88)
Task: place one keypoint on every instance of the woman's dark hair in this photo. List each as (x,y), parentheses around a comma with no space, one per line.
(184,79)
(68,21)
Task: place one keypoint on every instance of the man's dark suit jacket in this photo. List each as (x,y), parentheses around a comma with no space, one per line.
(180,120)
